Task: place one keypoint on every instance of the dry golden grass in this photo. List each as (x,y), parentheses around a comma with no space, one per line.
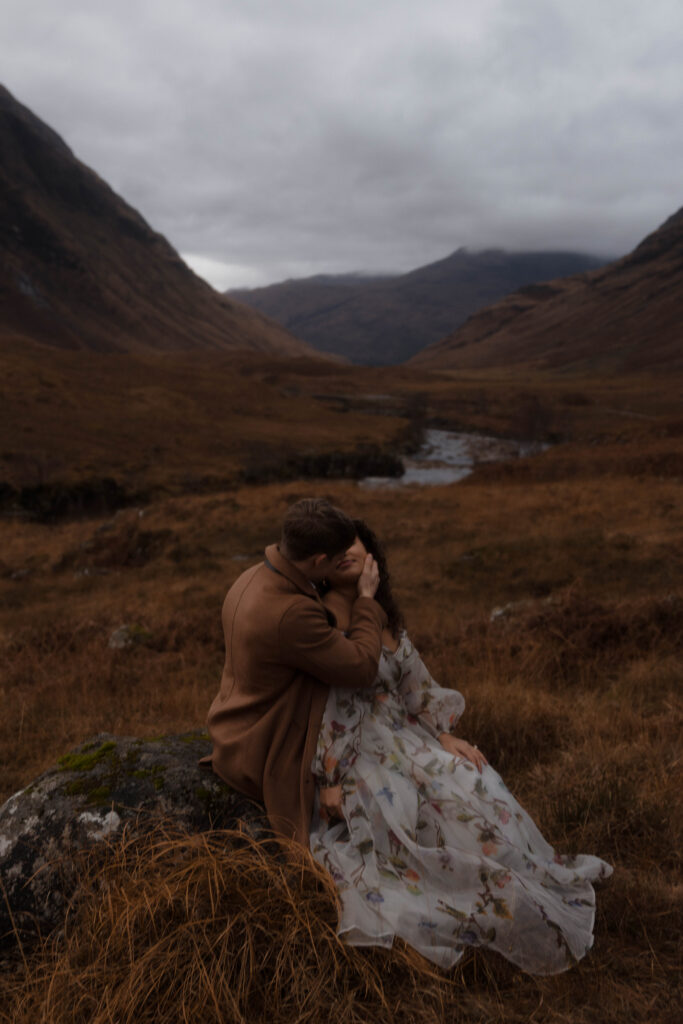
(169,421)
(573,691)
(215,927)
(178,422)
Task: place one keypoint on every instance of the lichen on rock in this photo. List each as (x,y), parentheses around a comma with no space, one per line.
(94,792)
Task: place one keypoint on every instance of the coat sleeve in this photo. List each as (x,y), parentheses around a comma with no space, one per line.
(309,643)
(437,708)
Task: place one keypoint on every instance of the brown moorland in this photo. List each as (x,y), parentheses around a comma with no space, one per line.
(179,421)
(548,590)
(173,420)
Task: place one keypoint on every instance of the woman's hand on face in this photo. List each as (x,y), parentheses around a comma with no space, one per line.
(331,802)
(368,581)
(461,748)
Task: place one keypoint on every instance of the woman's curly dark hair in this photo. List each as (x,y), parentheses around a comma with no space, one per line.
(384,595)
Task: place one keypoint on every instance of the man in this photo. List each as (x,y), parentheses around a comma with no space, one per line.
(282,653)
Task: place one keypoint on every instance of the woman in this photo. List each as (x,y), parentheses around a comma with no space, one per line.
(430,845)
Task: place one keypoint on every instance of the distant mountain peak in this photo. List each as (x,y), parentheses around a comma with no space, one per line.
(624,317)
(381,319)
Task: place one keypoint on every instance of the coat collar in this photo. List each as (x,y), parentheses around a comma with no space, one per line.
(280,564)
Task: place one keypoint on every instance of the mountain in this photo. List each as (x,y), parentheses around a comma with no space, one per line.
(81,269)
(625,317)
(387,319)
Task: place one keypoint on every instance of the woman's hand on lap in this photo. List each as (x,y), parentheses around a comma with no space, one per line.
(461,748)
(331,802)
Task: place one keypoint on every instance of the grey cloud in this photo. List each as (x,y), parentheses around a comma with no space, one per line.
(281,136)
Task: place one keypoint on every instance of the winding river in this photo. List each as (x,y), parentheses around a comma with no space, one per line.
(446,457)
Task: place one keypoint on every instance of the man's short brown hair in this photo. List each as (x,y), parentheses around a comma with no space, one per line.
(313,526)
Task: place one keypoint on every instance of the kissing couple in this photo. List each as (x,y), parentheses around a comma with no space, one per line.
(327,715)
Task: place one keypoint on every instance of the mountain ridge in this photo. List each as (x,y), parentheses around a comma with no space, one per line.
(81,268)
(623,317)
(384,319)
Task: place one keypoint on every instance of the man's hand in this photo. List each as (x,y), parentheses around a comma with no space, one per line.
(331,802)
(368,581)
(461,748)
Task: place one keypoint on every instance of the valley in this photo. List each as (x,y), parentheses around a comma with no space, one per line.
(154,432)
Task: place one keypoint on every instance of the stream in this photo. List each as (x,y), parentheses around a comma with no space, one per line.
(446,457)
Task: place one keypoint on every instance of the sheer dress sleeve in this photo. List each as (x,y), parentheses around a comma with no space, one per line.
(437,708)
(339,737)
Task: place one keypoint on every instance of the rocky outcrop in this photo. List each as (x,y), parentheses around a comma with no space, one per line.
(96,792)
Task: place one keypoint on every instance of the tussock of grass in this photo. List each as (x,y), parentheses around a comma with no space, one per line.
(216,927)
(574,639)
(617,797)
(221,928)
(522,729)
(125,545)
(646,682)
(582,630)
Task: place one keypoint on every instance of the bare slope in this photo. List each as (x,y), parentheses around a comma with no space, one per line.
(81,269)
(381,320)
(625,317)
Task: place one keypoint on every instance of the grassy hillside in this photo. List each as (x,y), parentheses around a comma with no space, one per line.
(81,269)
(623,318)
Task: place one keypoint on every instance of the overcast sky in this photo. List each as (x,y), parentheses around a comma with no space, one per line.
(279,138)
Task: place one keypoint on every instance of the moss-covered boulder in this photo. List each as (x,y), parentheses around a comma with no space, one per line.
(93,793)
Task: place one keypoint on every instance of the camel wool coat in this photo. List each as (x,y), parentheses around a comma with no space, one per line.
(282,653)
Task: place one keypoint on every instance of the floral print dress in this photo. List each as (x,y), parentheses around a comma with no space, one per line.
(430,849)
